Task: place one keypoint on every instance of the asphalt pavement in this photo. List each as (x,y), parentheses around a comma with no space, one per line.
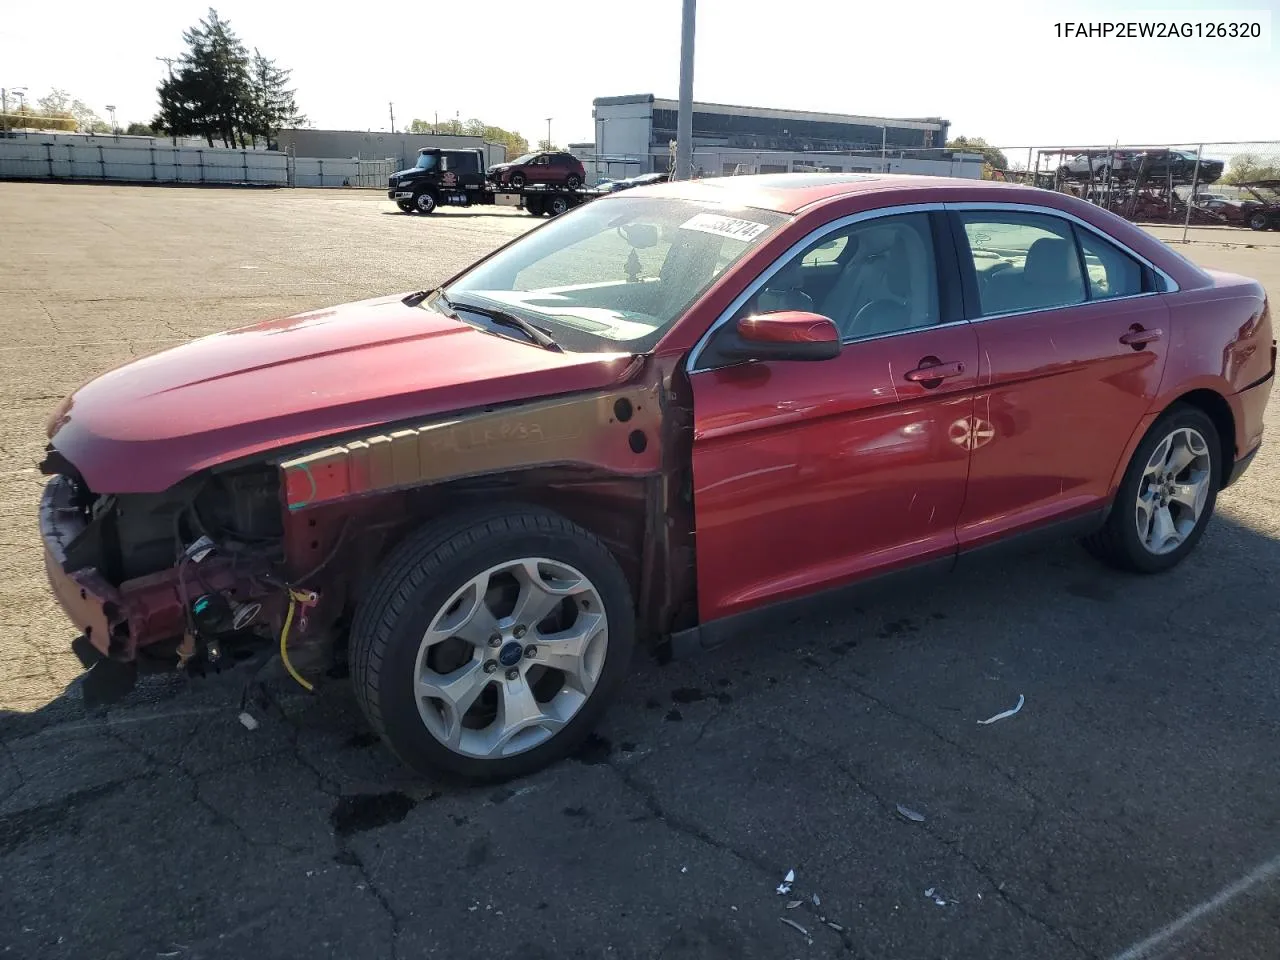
(1127,810)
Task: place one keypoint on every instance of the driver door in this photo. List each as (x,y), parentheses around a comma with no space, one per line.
(812,474)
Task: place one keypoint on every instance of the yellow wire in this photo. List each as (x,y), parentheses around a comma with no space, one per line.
(294,597)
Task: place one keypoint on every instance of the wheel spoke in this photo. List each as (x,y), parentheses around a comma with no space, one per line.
(455,693)
(1181,456)
(540,593)
(1146,513)
(567,651)
(470,620)
(518,711)
(1163,530)
(1156,464)
(1192,494)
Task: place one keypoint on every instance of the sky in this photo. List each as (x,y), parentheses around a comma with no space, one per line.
(995,70)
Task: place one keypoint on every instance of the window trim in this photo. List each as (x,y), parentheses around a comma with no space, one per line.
(1164,280)
(1145,274)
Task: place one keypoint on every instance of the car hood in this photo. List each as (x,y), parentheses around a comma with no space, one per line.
(144,426)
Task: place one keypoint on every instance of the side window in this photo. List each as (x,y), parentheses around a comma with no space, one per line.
(888,282)
(540,160)
(1111,272)
(1023,261)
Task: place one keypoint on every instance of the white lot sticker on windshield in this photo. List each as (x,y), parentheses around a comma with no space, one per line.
(721,226)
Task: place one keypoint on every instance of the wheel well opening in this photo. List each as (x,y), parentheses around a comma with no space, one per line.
(1215,406)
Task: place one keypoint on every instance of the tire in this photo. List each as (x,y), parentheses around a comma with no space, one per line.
(573,181)
(557,206)
(517,180)
(422,583)
(535,206)
(1258,221)
(1119,543)
(424,201)
(406,206)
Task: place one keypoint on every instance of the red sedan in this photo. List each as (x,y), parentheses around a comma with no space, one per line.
(652,419)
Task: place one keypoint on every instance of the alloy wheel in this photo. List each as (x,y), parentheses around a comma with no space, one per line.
(1173,491)
(511,658)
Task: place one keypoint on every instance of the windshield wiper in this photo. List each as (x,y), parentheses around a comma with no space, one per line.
(510,320)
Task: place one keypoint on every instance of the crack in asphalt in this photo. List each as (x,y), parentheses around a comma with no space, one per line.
(16,828)
(951,845)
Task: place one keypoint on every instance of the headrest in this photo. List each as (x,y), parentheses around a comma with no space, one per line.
(1051,261)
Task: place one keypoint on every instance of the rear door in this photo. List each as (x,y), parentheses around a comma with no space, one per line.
(1073,338)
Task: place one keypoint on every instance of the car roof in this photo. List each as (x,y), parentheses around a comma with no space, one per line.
(792,192)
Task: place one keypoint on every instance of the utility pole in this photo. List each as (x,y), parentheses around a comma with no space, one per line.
(884,166)
(684,118)
(392,107)
(4,111)
(168,62)
(549,119)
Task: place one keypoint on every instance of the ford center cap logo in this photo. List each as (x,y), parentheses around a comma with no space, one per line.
(510,654)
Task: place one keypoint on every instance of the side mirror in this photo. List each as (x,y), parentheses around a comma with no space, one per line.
(785,335)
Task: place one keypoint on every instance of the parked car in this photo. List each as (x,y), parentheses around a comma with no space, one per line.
(652,420)
(1182,165)
(1264,204)
(643,180)
(1114,163)
(558,168)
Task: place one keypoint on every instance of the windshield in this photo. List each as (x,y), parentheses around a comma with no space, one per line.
(525,159)
(427,161)
(616,273)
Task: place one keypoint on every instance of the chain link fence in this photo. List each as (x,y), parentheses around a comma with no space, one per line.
(1229,185)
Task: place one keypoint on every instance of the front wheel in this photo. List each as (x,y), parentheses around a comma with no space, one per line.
(1258,221)
(488,647)
(517,180)
(424,201)
(1167,495)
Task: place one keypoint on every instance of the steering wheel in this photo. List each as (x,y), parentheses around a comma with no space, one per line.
(889,313)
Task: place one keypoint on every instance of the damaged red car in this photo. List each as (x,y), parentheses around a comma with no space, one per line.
(649,422)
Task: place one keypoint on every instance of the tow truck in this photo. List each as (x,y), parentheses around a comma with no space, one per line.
(456,178)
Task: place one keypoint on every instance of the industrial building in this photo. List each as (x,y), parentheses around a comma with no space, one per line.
(634,135)
(378,145)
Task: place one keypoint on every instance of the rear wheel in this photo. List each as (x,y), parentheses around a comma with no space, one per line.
(489,646)
(1258,221)
(1167,495)
(557,206)
(534,206)
(573,181)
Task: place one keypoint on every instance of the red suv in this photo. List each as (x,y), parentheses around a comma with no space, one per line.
(556,168)
(650,421)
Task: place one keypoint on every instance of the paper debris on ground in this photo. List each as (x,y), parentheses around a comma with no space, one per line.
(934,894)
(684,869)
(817,901)
(1006,713)
(834,926)
(248,721)
(793,904)
(910,814)
(785,886)
(792,923)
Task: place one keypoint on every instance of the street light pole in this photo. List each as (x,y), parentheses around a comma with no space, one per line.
(392,107)
(112,110)
(549,119)
(684,118)
(884,166)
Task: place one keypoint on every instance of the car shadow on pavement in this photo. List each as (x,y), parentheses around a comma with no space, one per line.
(1134,782)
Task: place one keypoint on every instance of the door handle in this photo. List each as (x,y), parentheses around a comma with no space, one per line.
(1139,338)
(933,371)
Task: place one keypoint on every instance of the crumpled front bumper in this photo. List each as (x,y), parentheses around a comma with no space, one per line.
(92,604)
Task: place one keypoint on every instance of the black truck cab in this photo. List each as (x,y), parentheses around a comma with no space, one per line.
(456,178)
